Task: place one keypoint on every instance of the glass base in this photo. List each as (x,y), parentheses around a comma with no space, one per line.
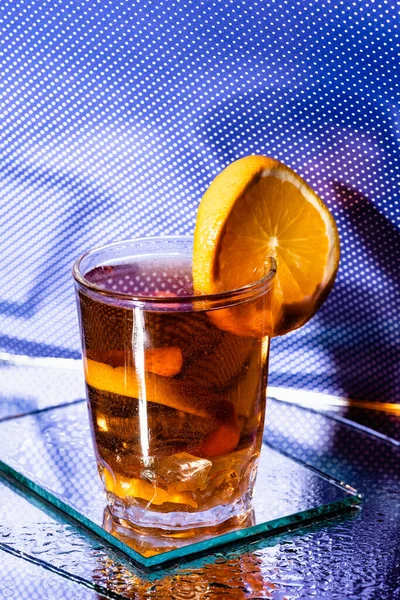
(152,541)
(178,521)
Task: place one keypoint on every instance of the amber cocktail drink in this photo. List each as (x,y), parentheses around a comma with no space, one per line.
(176,400)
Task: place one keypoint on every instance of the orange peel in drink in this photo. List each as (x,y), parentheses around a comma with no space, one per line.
(131,487)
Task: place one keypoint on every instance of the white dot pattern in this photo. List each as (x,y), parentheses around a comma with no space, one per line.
(116,116)
(142,279)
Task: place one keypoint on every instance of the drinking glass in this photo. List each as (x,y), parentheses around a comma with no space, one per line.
(176,384)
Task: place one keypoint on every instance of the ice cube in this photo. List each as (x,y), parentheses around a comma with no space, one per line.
(236,461)
(183,472)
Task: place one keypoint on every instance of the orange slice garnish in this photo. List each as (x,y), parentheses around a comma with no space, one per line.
(254,209)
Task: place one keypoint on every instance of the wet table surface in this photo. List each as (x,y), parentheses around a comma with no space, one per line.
(354,555)
(116,116)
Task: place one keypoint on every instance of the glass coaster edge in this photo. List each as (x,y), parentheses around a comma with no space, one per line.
(345,487)
(90,527)
(267,528)
(271,528)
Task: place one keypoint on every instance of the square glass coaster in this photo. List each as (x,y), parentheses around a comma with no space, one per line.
(50,454)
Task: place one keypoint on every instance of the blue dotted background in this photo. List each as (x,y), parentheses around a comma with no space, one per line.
(116,116)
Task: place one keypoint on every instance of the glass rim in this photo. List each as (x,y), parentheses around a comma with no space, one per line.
(244,290)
